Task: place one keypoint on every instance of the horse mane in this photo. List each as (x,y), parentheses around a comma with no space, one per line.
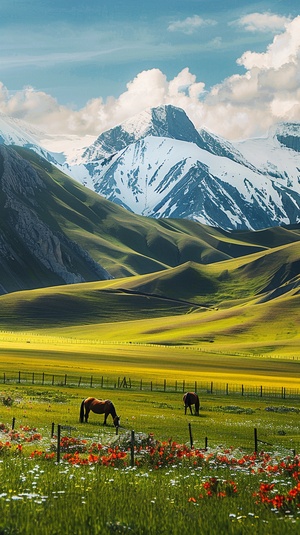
(112,410)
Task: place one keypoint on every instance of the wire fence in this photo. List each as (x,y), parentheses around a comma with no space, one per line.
(122,383)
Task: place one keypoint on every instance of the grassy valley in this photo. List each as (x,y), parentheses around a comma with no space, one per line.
(175,284)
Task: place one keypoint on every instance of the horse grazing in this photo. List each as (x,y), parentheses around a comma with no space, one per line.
(189,399)
(98,406)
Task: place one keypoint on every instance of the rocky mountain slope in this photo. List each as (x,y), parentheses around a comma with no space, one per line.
(34,249)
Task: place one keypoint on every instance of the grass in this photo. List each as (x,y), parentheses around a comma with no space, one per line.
(40,497)
(40,494)
(45,497)
(224,420)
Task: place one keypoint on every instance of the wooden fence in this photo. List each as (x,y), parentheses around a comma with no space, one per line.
(121,383)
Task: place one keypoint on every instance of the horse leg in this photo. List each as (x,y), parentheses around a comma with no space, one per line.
(185,408)
(190,406)
(105,418)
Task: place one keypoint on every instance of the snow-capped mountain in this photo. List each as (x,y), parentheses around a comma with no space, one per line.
(17,132)
(160,177)
(163,121)
(158,165)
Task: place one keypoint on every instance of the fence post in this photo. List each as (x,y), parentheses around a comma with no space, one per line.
(65,379)
(91,383)
(132,449)
(33,378)
(227,389)
(43,378)
(13,423)
(211,387)
(191,436)
(102,381)
(58,443)
(141,384)
(165,385)
(79,381)
(255,440)
(205,443)
(4,378)
(151,386)
(261,391)
(195,386)
(183,386)
(52,429)
(175,386)
(19,377)
(242,390)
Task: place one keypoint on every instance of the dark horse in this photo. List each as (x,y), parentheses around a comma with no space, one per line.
(98,406)
(189,399)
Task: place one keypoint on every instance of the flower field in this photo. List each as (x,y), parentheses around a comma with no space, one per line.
(145,487)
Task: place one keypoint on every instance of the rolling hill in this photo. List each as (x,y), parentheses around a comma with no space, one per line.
(55,231)
(136,279)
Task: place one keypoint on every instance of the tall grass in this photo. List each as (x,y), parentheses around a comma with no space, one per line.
(40,496)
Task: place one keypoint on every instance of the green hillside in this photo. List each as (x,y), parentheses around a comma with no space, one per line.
(121,242)
(250,303)
(174,281)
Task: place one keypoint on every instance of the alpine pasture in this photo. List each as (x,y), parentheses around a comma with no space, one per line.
(219,484)
(228,330)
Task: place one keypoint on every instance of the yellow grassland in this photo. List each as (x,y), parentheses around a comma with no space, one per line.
(31,352)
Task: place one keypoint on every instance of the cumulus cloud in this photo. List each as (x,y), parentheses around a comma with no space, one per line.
(190,24)
(284,49)
(243,105)
(148,89)
(263,22)
(247,105)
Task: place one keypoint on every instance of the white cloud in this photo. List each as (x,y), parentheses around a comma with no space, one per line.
(263,22)
(190,24)
(148,89)
(241,106)
(284,49)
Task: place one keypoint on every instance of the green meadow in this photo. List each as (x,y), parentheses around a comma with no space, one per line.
(220,489)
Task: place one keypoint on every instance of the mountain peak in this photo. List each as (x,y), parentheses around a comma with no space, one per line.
(162,121)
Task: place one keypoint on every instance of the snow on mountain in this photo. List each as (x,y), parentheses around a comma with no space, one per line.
(161,177)
(163,121)
(157,164)
(16,132)
(277,155)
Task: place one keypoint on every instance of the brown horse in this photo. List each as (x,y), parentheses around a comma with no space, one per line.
(189,399)
(98,406)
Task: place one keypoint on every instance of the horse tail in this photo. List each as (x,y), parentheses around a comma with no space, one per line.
(197,404)
(81,415)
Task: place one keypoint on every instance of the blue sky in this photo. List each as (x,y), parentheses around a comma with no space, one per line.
(70,53)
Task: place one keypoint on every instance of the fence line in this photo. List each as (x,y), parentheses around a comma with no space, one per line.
(121,383)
